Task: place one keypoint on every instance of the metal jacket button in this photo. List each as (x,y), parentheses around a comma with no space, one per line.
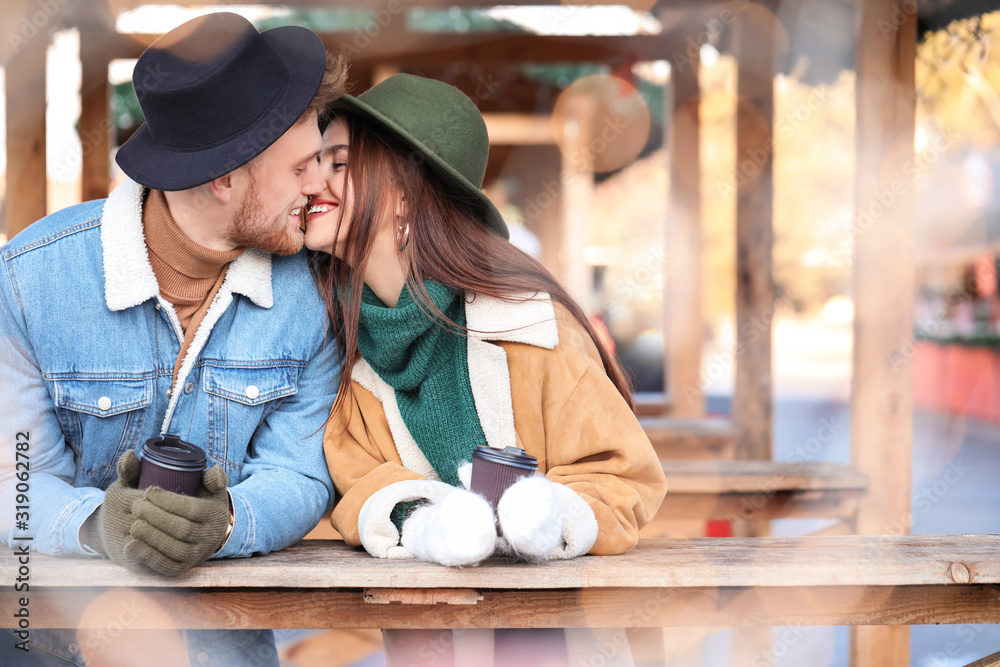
(253,392)
(104,403)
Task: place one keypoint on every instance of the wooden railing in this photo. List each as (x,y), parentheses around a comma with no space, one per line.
(843,580)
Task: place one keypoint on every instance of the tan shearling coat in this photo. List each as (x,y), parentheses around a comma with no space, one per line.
(538,383)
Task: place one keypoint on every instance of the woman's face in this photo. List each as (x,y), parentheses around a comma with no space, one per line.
(335,200)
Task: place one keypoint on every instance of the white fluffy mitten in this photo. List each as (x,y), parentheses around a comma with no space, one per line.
(455,530)
(541,519)
(375,527)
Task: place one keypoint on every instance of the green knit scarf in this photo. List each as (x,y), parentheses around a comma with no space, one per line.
(427,364)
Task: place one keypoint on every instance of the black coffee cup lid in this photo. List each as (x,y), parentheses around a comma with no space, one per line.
(511,456)
(169,451)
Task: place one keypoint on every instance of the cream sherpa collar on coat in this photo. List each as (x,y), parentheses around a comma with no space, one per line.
(530,320)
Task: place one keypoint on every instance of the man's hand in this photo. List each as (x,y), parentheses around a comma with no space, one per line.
(172,532)
(157,530)
(112,523)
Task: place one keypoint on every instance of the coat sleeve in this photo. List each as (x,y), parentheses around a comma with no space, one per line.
(358,465)
(598,449)
(571,414)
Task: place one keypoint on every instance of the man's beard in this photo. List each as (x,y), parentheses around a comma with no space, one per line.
(252,229)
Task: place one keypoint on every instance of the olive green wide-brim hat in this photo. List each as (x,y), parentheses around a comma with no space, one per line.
(443,127)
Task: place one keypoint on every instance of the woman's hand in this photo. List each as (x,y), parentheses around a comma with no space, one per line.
(540,519)
(456,530)
(453,527)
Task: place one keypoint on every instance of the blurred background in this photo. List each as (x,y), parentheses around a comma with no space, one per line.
(690,170)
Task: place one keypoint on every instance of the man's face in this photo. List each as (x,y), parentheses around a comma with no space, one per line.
(280,182)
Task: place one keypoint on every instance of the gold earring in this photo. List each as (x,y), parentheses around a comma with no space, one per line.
(403,237)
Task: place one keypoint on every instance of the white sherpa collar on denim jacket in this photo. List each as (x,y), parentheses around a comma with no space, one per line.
(128,275)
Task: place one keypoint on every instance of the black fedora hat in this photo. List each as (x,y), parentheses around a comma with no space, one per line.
(215,93)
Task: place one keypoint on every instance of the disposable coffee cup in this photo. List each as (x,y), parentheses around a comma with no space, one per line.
(495,470)
(172,464)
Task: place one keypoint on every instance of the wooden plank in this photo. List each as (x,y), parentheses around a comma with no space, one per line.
(715,477)
(27,190)
(652,403)
(989,661)
(394,44)
(743,507)
(683,439)
(90,607)
(881,387)
(519,129)
(125,5)
(754,37)
(682,315)
(884,560)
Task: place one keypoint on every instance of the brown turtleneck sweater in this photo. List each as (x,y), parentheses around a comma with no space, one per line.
(189,274)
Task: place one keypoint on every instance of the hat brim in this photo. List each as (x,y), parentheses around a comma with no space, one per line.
(161,168)
(460,187)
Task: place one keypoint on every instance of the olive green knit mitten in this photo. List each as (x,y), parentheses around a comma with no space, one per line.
(173,532)
(113,519)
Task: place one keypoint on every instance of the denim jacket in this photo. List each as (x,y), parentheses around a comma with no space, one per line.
(87,353)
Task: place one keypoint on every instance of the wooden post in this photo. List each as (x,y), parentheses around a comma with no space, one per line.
(577,194)
(27,189)
(753,44)
(881,391)
(96,124)
(682,316)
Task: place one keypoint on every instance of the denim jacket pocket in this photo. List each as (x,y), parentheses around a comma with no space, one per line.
(240,399)
(106,414)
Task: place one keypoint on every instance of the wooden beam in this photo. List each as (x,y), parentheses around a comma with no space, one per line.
(882,382)
(682,314)
(853,560)
(753,41)
(394,44)
(26,175)
(125,5)
(686,439)
(519,129)
(989,661)
(164,608)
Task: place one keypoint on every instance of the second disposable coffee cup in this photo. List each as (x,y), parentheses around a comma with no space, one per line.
(495,470)
(172,464)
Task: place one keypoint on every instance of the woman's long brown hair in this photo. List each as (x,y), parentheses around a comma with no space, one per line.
(447,243)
